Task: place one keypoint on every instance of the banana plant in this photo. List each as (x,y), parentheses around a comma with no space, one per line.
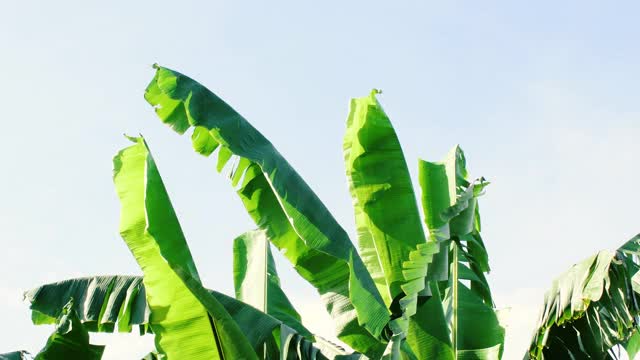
(386,213)
(414,287)
(592,309)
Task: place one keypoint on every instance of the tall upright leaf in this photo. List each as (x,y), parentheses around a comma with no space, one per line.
(386,212)
(256,280)
(188,322)
(449,202)
(592,307)
(281,203)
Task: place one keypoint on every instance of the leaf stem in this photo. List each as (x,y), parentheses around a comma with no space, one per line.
(454,325)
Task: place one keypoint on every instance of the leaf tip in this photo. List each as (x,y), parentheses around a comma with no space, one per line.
(133,139)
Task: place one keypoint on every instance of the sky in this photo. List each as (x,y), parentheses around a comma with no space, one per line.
(542,96)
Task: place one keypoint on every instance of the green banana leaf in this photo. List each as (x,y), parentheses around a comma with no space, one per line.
(70,340)
(427,331)
(449,201)
(335,352)
(386,212)
(187,321)
(632,345)
(16,355)
(409,342)
(591,308)
(295,346)
(111,312)
(153,356)
(257,283)
(258,327)
(281,203)
(103,303)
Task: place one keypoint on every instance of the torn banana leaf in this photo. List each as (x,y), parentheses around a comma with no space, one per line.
(591,308)
(387,218)
(70,340)
(426,329)
(281,203)
(188,322)
(16,355)
(449,201)
(258,327)
(103,303)
(110,311)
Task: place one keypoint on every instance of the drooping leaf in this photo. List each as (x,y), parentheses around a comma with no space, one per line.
(281,203)
(70,340)
(591,308)
(386,212)
(258,327)
(103,303)
(257,283)
(16,355)
(188,322)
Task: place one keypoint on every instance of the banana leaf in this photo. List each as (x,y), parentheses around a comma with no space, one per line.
(281,203)
(187,321)
(16,355)
(591,308)
(70,340)
(336,352)
(449,201)
(103,303)
(386,212)
(111,312)
(257,283)
(258,327)
(426,329)
(153,356)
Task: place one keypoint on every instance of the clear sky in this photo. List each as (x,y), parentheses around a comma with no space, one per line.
(543,97)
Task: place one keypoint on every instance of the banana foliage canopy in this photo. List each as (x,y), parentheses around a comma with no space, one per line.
(414,285)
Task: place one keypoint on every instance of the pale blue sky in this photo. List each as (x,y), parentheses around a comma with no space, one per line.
(543,97)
